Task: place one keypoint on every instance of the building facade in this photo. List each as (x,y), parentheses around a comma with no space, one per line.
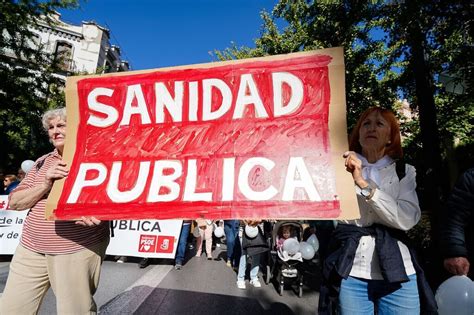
(83,49)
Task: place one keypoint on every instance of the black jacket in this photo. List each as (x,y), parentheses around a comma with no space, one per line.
(256,245)
(338,264)
(457,220)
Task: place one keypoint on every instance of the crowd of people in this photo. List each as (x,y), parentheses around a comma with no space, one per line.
(368,265)
(11,181)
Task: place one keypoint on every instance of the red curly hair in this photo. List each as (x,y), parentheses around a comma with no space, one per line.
(394,149)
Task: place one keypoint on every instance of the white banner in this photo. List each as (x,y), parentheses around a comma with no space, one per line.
(143,238)
(11,224)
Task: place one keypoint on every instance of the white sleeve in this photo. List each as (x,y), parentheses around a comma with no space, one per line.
(402,212)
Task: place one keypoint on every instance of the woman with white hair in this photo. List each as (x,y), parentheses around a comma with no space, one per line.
(63,255)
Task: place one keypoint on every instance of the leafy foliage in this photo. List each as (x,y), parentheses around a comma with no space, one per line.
(379,44)
(316,25)
(393,50)
(28,86)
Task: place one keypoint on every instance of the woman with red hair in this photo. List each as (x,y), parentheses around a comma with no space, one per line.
(370,269)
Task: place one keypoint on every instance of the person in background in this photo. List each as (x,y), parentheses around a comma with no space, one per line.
(369,268)
(231,230)
(120,259)
(457,228)
(142,263)
(63,255)
(183,240)
(20,175)
(252,248)
(217,241)
(284,233)
(324,230)
(10,182)
(205,233)
(145,262)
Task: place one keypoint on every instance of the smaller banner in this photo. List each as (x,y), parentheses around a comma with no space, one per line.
(11,225)
(137,238)
(145,238)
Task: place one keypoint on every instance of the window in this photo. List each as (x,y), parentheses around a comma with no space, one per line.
(63,55)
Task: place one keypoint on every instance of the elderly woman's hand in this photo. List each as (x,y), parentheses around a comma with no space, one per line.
(88,221)
(354,166)
(57,171)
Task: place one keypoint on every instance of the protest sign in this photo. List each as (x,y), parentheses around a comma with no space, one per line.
(137,238)
(11,225)
(255,138)
(145,238)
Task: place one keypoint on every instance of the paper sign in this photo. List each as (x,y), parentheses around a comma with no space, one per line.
(256,138)
(145,238)
(11,225)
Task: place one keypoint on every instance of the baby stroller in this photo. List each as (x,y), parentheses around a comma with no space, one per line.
(282,268)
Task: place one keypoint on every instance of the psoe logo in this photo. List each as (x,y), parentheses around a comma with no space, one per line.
(147,244)
(165,244)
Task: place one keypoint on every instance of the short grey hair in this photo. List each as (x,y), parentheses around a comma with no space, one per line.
(51,114)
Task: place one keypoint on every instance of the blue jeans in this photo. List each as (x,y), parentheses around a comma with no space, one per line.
(231,229)
(183,239)
(253,267)
(361,296)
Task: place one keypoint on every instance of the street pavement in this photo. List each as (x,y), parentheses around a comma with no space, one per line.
(201,287)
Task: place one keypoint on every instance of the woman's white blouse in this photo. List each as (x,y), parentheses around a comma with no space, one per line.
(394,204)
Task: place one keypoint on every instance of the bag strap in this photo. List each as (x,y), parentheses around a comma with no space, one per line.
(400,166)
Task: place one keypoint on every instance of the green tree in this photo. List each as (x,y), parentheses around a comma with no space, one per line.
(314,25)
(27,84)
(393,50)
(435,39)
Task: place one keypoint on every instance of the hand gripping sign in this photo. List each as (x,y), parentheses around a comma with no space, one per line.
(255,138)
